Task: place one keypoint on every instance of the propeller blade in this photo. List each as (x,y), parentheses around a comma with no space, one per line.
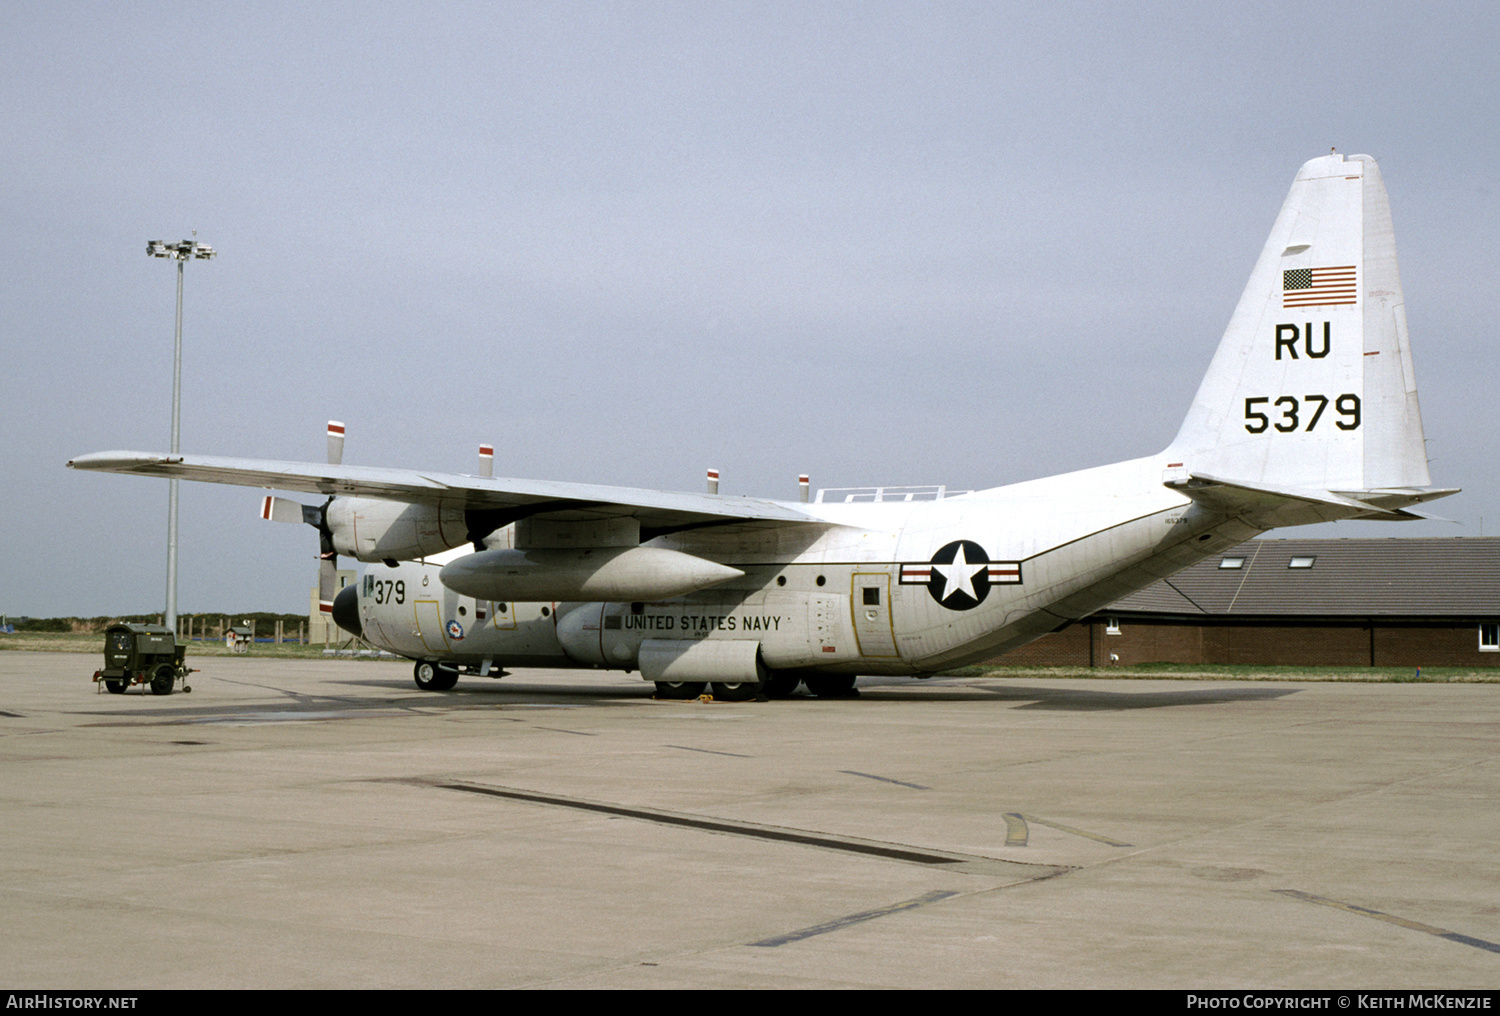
(328,580)
(328,559)
(486,460)
(335,442)
(281,509)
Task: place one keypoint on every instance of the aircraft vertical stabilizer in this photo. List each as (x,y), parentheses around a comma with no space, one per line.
(1312,387)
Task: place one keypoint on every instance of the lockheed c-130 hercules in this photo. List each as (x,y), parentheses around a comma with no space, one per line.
(1308,413)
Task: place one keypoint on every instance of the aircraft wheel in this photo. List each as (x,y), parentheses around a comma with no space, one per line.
(781,685)
(739,691)
(117,687)
(679,689)
(830,685)
(162,679)
(431,677)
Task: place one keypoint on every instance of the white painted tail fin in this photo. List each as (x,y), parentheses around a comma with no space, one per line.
(1312,387)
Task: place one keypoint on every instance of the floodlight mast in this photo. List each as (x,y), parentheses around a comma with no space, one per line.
(179,252)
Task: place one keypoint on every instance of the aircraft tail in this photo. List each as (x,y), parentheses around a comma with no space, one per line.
(1310,403)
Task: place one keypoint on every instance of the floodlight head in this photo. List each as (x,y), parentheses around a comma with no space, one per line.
(180,251)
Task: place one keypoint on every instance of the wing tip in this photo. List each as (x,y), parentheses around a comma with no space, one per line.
(116,460)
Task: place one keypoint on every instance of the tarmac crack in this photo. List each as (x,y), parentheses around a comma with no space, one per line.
(837,924)
(1400,922)
(1012,871)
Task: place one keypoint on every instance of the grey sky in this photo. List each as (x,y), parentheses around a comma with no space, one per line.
(880,243)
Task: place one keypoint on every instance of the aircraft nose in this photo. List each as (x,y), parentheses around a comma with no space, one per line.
(346,610)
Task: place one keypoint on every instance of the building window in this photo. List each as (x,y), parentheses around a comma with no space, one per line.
(1489,638)
(1111,626)
(1302,562)
(1232,562)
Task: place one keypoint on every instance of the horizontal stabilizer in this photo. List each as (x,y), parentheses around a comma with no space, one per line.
(1268,505)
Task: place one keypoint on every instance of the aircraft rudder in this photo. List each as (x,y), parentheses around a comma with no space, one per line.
(1395,448)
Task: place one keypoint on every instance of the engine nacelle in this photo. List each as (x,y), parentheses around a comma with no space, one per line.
(614,574)
(373,530)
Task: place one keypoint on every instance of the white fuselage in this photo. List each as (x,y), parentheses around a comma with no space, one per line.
(868,591)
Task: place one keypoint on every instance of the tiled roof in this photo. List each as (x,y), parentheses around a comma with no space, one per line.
(1390,577)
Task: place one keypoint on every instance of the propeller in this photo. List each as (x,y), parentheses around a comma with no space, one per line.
(281,509)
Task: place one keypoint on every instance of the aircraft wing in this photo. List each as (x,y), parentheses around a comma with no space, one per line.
(508,499)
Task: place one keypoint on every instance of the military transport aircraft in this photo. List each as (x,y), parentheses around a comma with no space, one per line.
(1308,413)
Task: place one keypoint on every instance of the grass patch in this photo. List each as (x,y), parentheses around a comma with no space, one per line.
(1248,672)
(84,642)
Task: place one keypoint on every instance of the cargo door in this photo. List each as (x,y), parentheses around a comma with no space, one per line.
(870,601)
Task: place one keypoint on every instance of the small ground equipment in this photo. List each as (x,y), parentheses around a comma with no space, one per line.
(142,654)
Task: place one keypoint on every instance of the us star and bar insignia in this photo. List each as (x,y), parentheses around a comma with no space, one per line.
(960,574)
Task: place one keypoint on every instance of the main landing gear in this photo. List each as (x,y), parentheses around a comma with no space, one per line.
(433,677)
(778,685)
(830,685)
(680,690)
(723,691)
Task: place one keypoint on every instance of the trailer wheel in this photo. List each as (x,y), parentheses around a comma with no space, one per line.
(162,679)
(116,687)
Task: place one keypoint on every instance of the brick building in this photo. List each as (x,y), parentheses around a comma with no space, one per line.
(1382,602)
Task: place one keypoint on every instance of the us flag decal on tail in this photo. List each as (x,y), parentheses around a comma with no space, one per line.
(1318,287)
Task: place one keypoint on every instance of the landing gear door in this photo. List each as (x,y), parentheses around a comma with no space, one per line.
(870,601)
